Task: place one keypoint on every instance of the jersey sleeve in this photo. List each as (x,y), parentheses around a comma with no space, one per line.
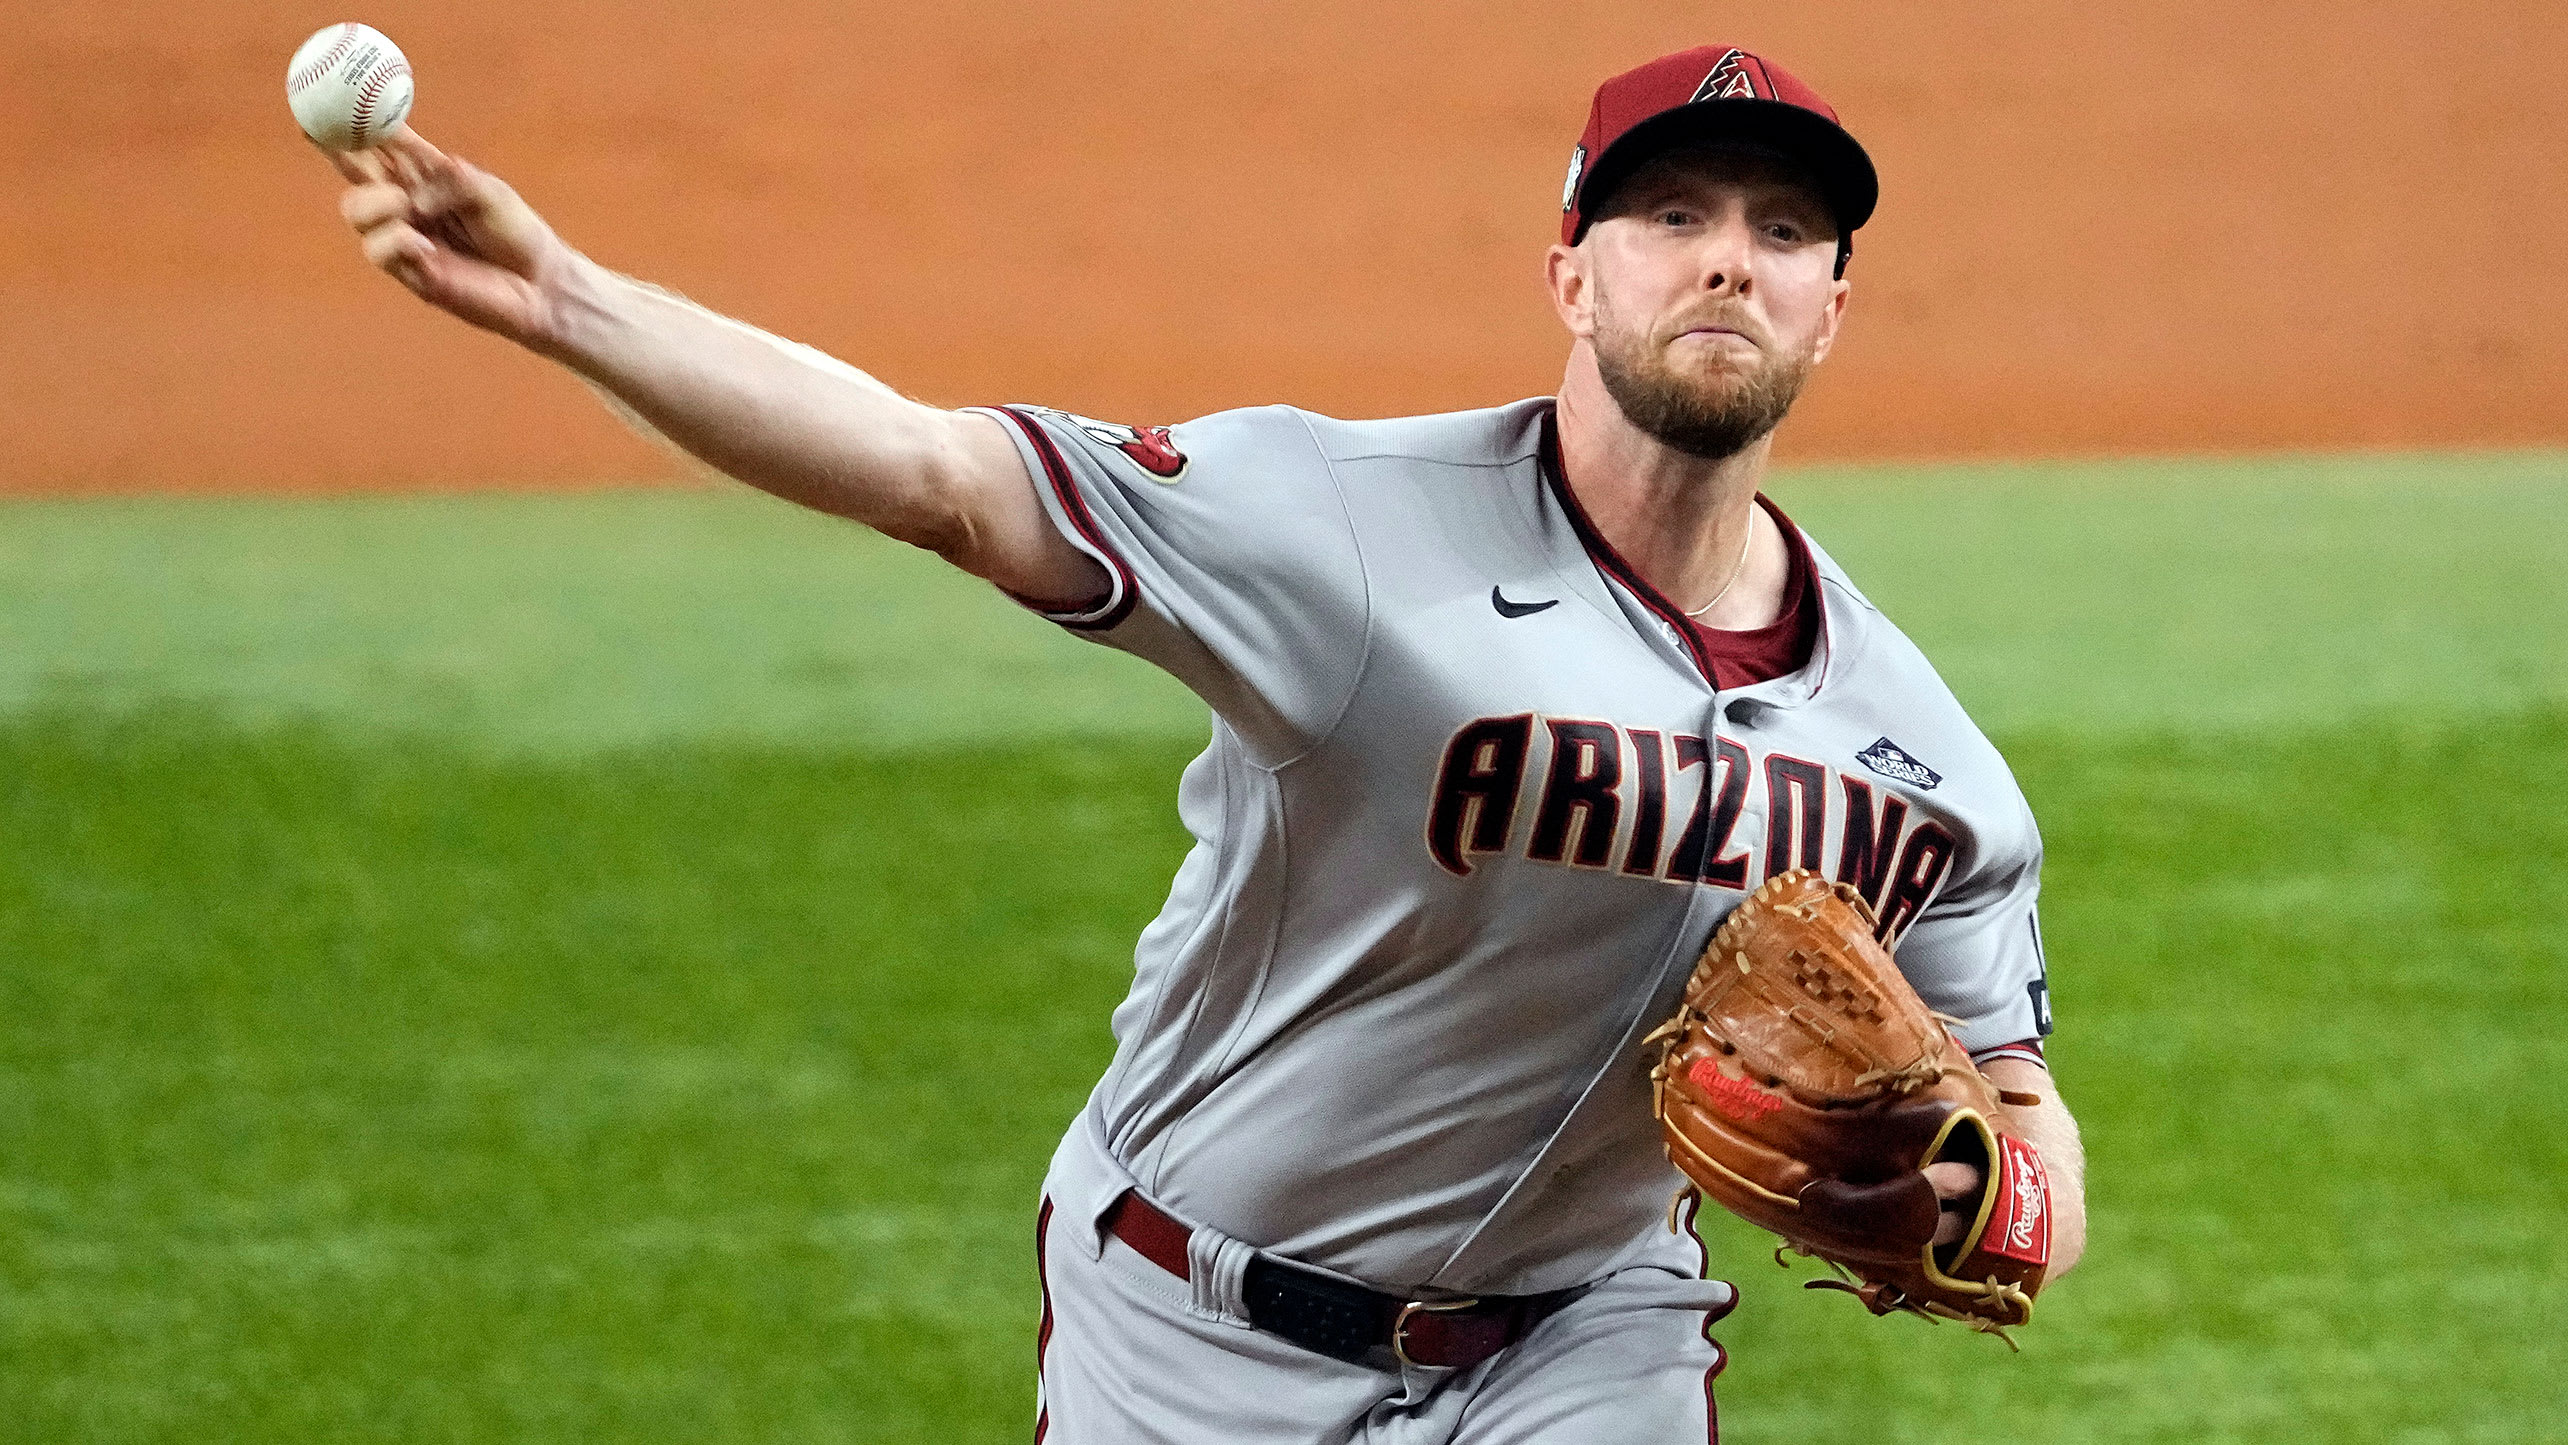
(1231,556)
(1976,952)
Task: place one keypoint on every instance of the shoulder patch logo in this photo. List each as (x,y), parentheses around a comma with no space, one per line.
(1892,761)
(1733,77)
(1149,447)
(1577,168)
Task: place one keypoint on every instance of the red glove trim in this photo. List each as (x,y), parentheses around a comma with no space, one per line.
(2020,1228)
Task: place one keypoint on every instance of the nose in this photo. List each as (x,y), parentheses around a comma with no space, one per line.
(1727,254)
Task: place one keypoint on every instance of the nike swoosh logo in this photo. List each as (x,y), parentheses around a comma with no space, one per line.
(1517,609)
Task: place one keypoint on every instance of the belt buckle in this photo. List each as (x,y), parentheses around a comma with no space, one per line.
(1400,1324)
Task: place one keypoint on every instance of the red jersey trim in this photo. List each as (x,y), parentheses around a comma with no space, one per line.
(2029,1050)
(1043,1331)
(1787,644)
(1601,551)
(1720,1356)
(1127,588)
(1603,554)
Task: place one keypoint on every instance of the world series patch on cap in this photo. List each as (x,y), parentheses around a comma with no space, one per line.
(1714,93)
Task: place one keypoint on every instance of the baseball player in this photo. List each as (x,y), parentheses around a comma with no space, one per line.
(1509,709)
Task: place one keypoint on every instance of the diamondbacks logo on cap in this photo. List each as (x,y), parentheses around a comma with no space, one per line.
(1891,761)
(1577,168)
(1732,79)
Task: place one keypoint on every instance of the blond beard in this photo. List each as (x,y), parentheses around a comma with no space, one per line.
(1711,416)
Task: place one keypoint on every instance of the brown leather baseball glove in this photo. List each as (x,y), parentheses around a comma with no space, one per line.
(1804,1086)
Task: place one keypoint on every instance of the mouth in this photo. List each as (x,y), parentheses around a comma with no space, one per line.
(1714,332)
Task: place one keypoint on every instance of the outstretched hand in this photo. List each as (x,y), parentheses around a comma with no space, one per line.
(456,235)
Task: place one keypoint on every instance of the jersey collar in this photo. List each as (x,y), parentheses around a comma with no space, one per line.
(1612,563)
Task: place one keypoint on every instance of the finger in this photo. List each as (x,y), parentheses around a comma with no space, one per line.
(365,207)
(414,147)
(398,248)
(463,205)
(445,185)
(449,233)
(400,167)
(1954,1180)
(438,196)
(416,160)
(356,167)
(1948,1229)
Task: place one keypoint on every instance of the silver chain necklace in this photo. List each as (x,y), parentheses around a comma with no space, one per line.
(1736,569)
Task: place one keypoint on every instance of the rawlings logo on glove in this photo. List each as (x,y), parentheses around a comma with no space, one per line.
(1805,1087)
(1737,1098)
(2023,1231)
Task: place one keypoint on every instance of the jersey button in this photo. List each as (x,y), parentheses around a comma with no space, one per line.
(1744,711)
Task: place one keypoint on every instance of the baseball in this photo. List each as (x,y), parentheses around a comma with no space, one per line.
(349,86)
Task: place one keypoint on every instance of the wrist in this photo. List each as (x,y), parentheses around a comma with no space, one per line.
(574,311)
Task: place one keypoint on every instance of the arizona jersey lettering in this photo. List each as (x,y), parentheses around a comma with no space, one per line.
(1470,811)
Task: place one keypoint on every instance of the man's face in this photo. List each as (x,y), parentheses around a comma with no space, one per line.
(1707,293)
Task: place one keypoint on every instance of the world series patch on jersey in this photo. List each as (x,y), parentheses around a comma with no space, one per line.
(1471,808)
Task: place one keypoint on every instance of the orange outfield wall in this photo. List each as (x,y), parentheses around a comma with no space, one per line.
(2180,226)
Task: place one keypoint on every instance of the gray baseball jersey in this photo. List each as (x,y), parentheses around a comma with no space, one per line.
(1471,808)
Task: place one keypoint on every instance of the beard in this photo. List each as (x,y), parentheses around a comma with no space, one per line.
(1711,412)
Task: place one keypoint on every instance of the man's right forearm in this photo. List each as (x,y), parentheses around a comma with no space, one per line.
(778,415)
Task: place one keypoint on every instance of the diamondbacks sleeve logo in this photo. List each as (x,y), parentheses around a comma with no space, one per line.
(1149,447)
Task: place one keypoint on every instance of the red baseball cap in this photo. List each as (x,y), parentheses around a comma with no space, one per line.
(1714,92)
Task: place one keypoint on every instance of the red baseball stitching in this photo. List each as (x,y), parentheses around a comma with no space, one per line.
(330,57)
(366,98)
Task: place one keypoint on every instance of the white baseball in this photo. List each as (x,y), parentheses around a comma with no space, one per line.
(349,86)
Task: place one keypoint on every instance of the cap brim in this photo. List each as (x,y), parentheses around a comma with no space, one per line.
(1844,173)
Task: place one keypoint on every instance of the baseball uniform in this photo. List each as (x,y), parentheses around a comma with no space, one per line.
(1472,805)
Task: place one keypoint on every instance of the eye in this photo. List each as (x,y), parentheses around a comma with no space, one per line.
(1785,232)
(1675,216)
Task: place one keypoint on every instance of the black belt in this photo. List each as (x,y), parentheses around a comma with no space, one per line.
(1345,1321)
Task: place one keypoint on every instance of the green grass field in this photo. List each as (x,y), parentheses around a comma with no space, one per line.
(612,968)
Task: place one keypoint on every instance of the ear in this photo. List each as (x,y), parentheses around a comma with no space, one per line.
(1829,321)
(1573,291)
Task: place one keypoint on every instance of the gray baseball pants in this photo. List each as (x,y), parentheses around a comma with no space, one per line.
(1132,1355)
